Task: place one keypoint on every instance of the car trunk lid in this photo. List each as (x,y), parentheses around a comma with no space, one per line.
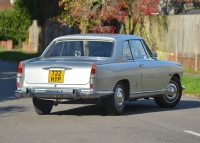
(58,71)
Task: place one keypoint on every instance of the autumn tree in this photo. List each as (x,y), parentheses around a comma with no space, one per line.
(92,15)
(136,10)
(101,16)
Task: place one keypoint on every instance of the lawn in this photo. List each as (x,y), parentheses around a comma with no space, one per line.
(192,85)
(16,56)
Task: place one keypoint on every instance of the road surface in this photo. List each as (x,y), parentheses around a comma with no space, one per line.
(143,121)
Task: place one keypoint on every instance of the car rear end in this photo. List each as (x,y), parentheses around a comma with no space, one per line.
(66,70)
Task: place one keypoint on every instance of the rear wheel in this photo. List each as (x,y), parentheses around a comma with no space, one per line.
(115,103)
(42,107)
(173,95)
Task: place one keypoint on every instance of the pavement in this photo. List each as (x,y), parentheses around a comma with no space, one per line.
(191,74)
(142,122)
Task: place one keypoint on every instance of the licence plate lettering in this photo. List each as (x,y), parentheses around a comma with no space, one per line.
(56,76)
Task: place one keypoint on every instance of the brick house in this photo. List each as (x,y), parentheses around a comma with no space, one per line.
(5,4)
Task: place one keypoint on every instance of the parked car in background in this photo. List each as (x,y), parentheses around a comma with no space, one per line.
(107,68)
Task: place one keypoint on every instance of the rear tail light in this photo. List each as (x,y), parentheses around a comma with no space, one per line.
(18,85)
(19,74)
(91,86)
(92,75)
(93,70)
(19,69)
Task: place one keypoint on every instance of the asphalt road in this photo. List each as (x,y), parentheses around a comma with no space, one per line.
(7,80)
(142,122)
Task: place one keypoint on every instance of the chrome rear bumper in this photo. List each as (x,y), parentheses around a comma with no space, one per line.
(62,94)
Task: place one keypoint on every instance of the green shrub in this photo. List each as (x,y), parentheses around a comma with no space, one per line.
(14,25)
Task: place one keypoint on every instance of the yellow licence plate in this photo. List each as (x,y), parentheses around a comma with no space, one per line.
(56,76)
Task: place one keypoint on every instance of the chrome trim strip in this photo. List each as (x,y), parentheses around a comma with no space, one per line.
(153,91)
(47,68)
(138,95)
(62,94)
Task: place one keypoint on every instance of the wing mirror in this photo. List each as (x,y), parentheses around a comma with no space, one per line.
(155,55)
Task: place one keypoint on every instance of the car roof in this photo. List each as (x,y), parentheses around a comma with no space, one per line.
(99,36)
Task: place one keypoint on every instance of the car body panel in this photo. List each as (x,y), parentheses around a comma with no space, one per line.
(71,71)
(109,74)
(146,78)
(152,74)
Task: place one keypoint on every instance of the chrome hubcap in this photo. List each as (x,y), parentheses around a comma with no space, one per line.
(172,92)
(119,96)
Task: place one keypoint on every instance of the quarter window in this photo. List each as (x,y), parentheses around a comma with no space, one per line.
(149,51)
(55,50)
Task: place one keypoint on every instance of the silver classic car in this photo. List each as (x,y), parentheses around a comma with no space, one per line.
(101,67)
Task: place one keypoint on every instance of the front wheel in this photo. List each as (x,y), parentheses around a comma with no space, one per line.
(42,107)
(172,96)
(115,103)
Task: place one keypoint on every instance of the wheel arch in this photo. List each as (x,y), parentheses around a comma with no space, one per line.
(177,76)
(126,85)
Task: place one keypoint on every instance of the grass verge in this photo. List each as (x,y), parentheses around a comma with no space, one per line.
(192,85)
(16,56)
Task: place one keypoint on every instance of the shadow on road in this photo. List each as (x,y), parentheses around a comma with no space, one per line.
(7,80)
(131,108)
(7,85)
(142,107)
(88,110)
(12,109)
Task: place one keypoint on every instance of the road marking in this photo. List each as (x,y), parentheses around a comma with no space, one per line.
(8,77)
(8,72)
(193,133)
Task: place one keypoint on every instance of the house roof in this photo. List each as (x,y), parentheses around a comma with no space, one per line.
(5,4)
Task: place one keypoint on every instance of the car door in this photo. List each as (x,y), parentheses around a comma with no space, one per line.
(151,69)
(132,70)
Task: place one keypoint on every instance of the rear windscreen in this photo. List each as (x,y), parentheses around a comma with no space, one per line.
(81,48)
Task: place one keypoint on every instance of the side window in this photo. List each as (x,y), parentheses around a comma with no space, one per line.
(100,49)
(55,50)
(137,50)
(148,50)
(126,51)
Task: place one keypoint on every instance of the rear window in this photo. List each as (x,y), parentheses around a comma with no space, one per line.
(81,48)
